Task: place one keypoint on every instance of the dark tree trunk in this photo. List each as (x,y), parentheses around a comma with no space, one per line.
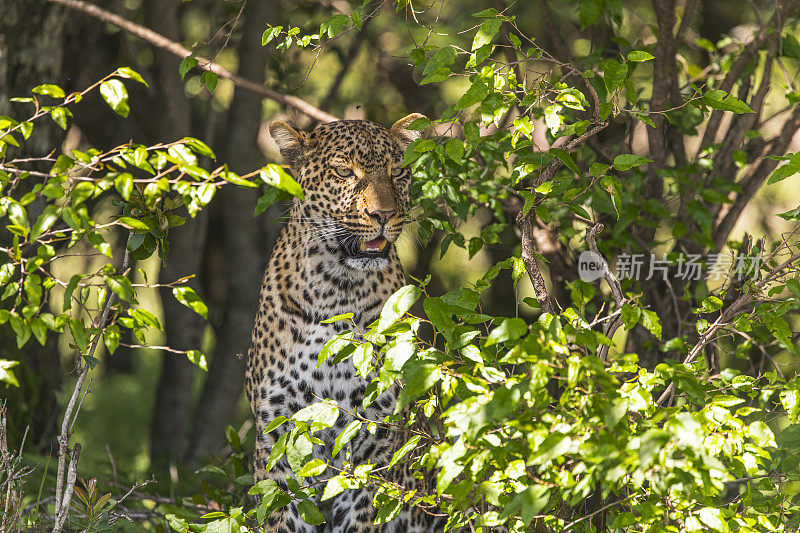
(244,245)
(32,36)
(184,329)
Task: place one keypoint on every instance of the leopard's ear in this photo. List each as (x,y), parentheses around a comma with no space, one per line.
(402,134)
(290,142)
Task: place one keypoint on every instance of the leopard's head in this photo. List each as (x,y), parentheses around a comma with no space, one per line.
(356,187)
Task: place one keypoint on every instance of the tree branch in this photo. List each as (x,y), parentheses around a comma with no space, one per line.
(159,41)
(737,69)
(350,57)
(752,183)
(64,492)
(723,319)
(741,123)
(529,258)
(616,289)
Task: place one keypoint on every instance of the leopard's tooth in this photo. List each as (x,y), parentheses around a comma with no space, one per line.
(362,246)
(382,245)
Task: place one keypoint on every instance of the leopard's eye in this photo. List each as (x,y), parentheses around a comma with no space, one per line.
(343,172)
(397,172)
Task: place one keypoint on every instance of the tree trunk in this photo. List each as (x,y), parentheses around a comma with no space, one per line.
(32,35)
(244,244)
(184,329)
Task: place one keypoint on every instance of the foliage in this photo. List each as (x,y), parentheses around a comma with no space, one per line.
(172,178)
(545,419)
(529,422)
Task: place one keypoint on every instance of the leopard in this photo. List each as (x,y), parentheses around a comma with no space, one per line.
(336,254)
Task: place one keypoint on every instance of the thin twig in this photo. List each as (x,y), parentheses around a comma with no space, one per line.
(158,40)
(64,492)
(616,290)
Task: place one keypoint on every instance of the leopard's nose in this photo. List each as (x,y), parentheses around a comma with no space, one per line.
(382,216)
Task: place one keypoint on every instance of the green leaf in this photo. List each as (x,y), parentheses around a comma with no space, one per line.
(124,185)
(121,286)
(640,55)
(761,434)
(335,485)
(111,338)
(129,73)
(187,64)
(59,116)
(199,147)
(711,304)
(419,378)
(565,158)
(198,358)
(116,96)
(270,33)
(190,299)
(407,447)
(786,170)
(310,513)
(274,175)
(362,359)
(335,24)
(210,81)
(21,328)
(6,374)
(347,434)
(39,330)
(357,19)
(527,503)
(145,318)
(486,32)
(134,224)
(314,467)
(48,89)
(268,198)
(509,329)
(319,415)
(397,305)
(45,221)
(335,346)
(589,12)
(454,148)
(628,161)
(79,334)
(71,286)
(337,318)
(713,519)
(441,59)
(651,321)
(614,73)
(723,101)
(276,423)
(475,94)
(790,399)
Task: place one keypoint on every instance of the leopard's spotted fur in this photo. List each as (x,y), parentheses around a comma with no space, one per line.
(316,272)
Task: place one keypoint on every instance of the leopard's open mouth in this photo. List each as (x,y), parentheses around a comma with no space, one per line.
(377,247)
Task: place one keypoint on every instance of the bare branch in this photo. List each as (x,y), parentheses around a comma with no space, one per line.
(752,183)
(740,65)
(64,492)
(723,161)
(159,41)
(616,290)
(529,258)
(352,52)
(724,318)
